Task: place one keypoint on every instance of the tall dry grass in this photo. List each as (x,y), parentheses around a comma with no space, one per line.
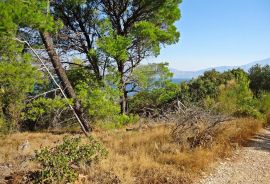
(152,156)
(149,156)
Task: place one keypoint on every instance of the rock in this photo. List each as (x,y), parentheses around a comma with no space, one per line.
(24,146)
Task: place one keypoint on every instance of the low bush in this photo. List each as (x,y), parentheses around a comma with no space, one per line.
(61,163)
(264,105)
(17,80)
(237,99)
(43,113)
(268,118)
(118,121)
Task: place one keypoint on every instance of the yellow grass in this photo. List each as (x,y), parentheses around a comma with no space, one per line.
(152,157)
(149,156)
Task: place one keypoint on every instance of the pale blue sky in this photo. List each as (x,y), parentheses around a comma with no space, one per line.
(220,32)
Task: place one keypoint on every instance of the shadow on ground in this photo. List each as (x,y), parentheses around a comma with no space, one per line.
(261,141)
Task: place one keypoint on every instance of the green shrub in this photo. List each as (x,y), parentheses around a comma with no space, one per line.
(125,119)
(17,79)
(3,126)
(154,98)
(268,118)
(99,102)
(42,112)
(118,121)
(264,105)
(61,163)
(237,99)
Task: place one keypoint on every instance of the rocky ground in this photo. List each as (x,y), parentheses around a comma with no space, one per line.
(249,165)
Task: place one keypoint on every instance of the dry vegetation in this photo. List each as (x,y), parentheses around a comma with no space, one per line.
(149,156)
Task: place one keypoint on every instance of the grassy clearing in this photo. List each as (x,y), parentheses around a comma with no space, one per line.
(148,156)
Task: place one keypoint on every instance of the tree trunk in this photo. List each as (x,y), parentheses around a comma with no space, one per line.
(123,97)
(60,71)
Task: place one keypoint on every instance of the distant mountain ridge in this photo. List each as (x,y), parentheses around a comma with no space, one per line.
(193,74)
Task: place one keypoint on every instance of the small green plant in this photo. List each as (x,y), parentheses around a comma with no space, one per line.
(61,163)
(122,120)
(118,121)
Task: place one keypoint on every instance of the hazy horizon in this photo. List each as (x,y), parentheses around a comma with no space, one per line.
(194,70)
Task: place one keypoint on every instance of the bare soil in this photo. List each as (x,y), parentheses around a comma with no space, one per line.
(249,165)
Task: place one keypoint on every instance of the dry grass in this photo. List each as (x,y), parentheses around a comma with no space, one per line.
(10,145)
(149,156)
(14,158)
(152,157)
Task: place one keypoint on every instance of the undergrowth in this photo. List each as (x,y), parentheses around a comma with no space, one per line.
(149,156)
(153,157)
(61,163)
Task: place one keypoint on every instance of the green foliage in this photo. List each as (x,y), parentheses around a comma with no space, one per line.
(237,99)
(226,92)
(40,106)
(16,80)
(118,121)
(206,86)
(98,98)
(59,163)
(17,75)
(156,88)
(16,14)
(30,13)
(151,76)
(100,103)
(151,28)
(42,112)
(158,26)
(125,119)
(154,98)
(264,105)
(259,79)
(115,46)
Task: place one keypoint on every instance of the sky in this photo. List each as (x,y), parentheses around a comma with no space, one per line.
(219,33)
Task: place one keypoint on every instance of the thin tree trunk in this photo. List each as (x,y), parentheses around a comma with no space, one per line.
(123,97)
(60,71)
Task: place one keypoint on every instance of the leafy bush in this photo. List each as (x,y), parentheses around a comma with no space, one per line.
(154,98)
(259,79)
(2,126)
(268,118)
(126,119)
(118,121)
(42,112)
(16,80)
(204,86)
(100,103)
(151,76)
(99,98)
(264,105)
(237,99)
(61,163)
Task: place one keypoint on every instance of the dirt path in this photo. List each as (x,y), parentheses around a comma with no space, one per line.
(249,165)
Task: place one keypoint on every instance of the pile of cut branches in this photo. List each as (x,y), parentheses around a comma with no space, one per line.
(196,126)
(162,112)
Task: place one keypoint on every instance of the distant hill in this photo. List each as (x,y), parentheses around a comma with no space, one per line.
(187,75)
